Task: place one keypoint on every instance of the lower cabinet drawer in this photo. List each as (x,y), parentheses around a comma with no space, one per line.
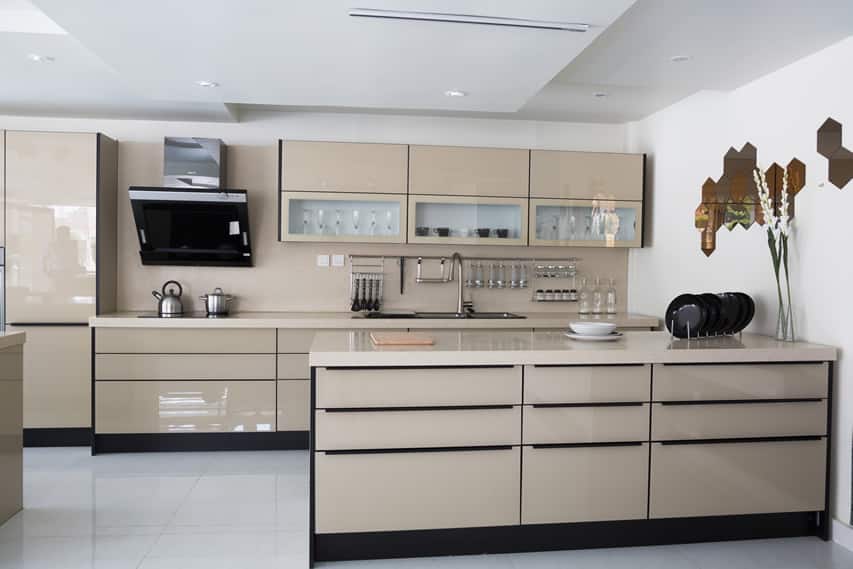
(416,490)
(184,341)
(293,411)
(184,406)
(415,387)
(184,366)
(293,366)
(700,479)
(685,422)
(582,484)
(586,384)
(739,381)
(417,428)
(586,424)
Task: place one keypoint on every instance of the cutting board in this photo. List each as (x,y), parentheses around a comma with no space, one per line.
(401,339)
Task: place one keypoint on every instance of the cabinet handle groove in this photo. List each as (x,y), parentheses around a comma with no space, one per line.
(587,445)
(742,401)
(600,404)
(741,440)
(421,408)
(419,450)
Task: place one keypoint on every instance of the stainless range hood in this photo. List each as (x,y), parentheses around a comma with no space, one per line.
(193,163)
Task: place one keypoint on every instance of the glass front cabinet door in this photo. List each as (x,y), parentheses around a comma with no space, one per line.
(586,223)
(353,218)
(462,220)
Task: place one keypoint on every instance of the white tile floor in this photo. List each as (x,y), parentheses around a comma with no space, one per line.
(248,510)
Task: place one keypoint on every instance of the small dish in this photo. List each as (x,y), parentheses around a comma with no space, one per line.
(592,328)
(483,232)
(421,231)
(584,338)
(502,233)
(442,231)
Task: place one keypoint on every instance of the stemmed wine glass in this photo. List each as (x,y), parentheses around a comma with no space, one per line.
(355,218)
(373,222)
(306,221)
(388,220)
(321,221)
(337,222)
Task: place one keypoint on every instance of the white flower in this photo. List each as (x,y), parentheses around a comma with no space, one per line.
(784,217)
(764,199)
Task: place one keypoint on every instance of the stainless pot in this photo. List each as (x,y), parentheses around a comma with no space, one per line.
(217,302)
(170,303)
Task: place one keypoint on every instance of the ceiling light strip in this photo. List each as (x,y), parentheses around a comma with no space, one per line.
(468,19)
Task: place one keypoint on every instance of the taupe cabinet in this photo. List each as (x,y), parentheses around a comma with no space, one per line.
(11,439)
(439,448)
(560,174)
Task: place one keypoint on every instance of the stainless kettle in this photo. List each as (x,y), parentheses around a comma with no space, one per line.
(170,303)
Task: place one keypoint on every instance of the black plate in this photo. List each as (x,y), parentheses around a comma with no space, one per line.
(685,313)
(748,312)
(732,312)
(714,306)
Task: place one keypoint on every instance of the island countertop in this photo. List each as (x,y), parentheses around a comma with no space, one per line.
(9,339)
(482,348)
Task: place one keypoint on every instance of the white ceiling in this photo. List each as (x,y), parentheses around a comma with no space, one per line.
(141,59)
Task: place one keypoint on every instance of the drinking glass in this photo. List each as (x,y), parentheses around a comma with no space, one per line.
(389,218)
(337,222)
(493,275)
(478,274)
(355,218)
(584,304)
(500,281)
(321,221)
(611,297)
(306,221)
(597,297)
(373,222)
(515,275)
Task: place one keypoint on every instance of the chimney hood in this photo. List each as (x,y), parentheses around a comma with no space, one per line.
(191,226)
(193,163)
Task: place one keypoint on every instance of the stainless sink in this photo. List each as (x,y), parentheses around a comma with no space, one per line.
(446,315)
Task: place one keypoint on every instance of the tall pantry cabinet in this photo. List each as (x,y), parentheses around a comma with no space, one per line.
(60,217)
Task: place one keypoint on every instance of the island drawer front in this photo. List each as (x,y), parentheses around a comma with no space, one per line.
(584,484)
(743,420)
(586,384)
(391,491)
(294,405)
(184,366)
(295,340)
(543,425)
(739,381)
(183,341)
(418,387)
(184,406)
(450,427)
(731,478)
(293,366)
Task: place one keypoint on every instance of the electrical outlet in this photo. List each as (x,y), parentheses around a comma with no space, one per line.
(322,260)
(337,260)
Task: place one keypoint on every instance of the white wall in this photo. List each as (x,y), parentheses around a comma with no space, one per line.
(779,114)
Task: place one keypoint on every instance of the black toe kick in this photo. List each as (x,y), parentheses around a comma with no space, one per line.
(549,537)
(184,442)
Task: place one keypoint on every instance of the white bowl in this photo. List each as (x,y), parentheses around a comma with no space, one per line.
(592,328)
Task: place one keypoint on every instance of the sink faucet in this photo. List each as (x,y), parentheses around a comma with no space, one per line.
(462,306)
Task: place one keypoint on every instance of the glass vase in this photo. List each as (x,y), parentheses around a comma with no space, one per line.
(785,321)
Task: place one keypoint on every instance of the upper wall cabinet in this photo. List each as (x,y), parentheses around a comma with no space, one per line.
(343,167)
(461,171)
(586,175)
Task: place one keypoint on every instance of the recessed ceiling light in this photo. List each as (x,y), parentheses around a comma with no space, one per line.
(206,83)
(679,58)
(38,58)
(455,93)
(599,94)
(469,19)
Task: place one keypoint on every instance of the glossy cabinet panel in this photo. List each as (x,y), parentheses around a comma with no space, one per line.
(685,422)
(50,226)
(57,376)
(544,425)
(747,381)
(418,387)
(467,220)
(350,218)
(344,167)
(185,406)
(293,366)
(293,410)
(2,188)
(294,341)
(468,171)
(737,478)
(11,434)
(586,384)
(184,366)
(416,490)
(184,341)
(584,484)
(586,175)
(417,428)
(586,223)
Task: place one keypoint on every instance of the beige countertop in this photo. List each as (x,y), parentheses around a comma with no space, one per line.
(9,339)
(346,320)
(473,347)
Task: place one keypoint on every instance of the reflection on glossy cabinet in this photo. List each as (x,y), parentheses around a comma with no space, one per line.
(467,220)
(468,171)
(57,376)
(293,408)
(586,175)
(586,223)
(51,181)
(343,167)
(2,188)
(351,218)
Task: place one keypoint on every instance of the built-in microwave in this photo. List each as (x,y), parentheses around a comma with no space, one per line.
(201,227)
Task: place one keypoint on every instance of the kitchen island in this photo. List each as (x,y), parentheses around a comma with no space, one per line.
(489,442)
(11,423)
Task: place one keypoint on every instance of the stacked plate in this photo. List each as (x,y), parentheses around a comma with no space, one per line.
(695,315)
(593,331)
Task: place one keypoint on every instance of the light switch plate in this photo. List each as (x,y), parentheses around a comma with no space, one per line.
(322,260)
(337,260)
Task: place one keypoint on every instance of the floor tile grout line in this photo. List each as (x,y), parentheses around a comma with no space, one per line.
(169,522)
